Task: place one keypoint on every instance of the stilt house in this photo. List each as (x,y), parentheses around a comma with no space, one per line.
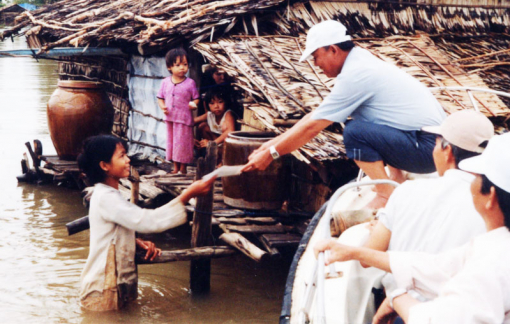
(443,43)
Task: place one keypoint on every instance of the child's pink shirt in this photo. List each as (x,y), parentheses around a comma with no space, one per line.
(177,98)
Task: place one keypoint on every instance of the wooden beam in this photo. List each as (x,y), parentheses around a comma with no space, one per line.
(239,242)
(259,229)
(272,250)
(205,252)
(200,270)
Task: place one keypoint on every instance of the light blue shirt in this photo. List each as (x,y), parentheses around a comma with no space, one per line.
(372,90)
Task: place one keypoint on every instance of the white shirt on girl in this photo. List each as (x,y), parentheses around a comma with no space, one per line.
(213,125)
(114,220)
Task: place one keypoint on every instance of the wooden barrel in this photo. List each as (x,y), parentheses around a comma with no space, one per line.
(77,110)
(266,189)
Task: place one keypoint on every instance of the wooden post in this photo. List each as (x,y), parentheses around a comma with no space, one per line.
(135,185)
(200,270)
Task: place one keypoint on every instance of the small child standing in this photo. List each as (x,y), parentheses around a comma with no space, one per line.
(177,96)
(109,279)
(217,123)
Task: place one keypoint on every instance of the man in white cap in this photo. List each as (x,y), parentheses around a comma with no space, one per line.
(388,109)
(435,214)
(471,284)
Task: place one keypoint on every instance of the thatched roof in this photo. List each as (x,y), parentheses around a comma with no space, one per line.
(12,8)
(146,23)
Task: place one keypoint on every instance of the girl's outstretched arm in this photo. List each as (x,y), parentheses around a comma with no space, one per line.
(199,119)
(340,252)
(197,188)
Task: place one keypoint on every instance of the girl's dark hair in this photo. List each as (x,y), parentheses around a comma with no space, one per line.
(96,149)
(217,92)
(173,54)
(503,198)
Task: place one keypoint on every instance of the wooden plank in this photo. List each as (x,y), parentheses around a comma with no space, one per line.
(232,220)
(206,252)
(261,220)
(275,240)
(239,242)
(272,250)
(259,229)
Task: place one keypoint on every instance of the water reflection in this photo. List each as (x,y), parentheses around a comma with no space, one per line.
(40,265)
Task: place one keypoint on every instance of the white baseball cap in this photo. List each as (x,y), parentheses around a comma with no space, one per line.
(494,162)
(466,129)
(326,33)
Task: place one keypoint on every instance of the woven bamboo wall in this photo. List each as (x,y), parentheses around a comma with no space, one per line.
(112,72)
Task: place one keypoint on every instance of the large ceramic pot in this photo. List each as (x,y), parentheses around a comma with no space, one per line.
(77,110)
(266,189)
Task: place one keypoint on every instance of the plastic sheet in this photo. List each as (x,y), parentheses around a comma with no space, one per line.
(146,75)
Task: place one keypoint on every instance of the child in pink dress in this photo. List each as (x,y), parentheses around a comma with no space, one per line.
(177,96)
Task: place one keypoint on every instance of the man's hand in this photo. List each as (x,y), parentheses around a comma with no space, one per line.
(258,161)
(165,110)
(385,314)
(338,252)
(152,250)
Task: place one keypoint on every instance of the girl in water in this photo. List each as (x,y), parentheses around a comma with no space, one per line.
(110,278)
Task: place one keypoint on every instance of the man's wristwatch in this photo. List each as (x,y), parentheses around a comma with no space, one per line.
(274,152)
(395,293)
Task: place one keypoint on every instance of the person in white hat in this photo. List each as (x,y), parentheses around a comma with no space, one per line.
(388,108)
(435,214)
(469,284)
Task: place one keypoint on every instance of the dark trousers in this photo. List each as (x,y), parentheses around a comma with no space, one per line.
(406,150)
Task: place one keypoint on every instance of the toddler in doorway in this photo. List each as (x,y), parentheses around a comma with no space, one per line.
(217,123)
(177,97)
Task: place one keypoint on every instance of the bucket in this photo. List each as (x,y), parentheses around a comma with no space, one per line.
(262,190)
(77,110)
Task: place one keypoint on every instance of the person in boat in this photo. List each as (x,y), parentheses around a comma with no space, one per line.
(388,108)
(109,279)
(424,214)
(469,284)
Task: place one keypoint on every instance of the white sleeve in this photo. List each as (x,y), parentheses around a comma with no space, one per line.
(116,209)
(426,273)
(346,96)
(470,297)
(387,214)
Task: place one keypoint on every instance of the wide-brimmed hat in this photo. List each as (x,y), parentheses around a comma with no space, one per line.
(467,129)
(326,33)
(494,162)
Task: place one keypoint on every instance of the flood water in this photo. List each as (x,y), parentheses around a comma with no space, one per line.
(40,265)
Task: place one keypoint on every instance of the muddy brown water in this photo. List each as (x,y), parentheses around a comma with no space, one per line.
(40,265)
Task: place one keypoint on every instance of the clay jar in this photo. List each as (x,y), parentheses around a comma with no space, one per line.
(261,190)
(77,110)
